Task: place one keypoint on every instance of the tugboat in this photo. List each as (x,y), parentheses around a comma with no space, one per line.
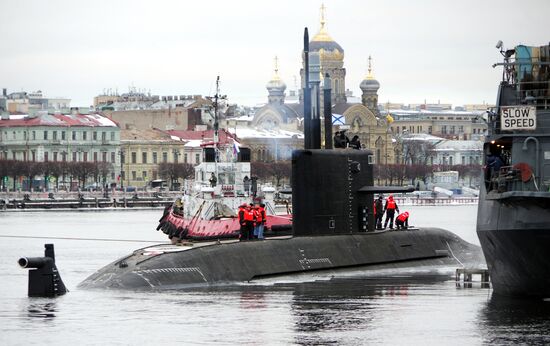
(222,183)
(332,227)
(513,223)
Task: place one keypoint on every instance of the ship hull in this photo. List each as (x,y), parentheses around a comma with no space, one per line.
(174,267)
(518,261)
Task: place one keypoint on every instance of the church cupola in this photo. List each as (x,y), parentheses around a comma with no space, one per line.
(370,87)
(276,87)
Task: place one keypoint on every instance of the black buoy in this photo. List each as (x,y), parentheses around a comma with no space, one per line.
(44,278)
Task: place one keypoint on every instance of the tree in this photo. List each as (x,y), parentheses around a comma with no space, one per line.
(280,170)
(30,170)
(174,171)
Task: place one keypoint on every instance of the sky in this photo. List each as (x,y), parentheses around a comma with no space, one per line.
(423,50)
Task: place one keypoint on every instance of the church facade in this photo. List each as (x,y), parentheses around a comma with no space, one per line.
(361,119)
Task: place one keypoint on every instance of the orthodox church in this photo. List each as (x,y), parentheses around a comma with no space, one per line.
(361,119)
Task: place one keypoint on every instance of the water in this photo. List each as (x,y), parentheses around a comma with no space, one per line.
(352,310)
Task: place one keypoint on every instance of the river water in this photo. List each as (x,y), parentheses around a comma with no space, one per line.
(352,310)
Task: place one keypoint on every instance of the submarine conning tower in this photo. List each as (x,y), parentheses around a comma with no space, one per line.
(332,189)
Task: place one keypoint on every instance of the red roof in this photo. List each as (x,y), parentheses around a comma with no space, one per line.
(58,120)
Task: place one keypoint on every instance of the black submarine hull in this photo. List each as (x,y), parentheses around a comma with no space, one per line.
(162,267)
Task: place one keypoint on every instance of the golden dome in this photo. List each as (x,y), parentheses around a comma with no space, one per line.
(322,40)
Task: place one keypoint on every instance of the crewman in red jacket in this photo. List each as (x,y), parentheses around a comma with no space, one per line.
(402,221)
(259,211)
(242,222)
(249,221)
(390,208)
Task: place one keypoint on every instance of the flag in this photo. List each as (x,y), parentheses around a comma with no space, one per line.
(236,149)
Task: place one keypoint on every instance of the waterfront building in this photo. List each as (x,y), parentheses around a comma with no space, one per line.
(142,153)
(23,102)
(450,124)
(44,137)
(136,110)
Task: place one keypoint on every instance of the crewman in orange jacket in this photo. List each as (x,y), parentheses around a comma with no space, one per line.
(249,221)
(390,208)
(242,222)
(259,211)
(402,221)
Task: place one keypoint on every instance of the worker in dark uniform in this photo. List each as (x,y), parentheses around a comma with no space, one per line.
(390,208)
(378,212)
(402,220)
(355,143)
(213,180)
(242,222)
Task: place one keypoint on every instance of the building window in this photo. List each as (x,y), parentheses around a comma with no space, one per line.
(144,175)
(95,157)
(54,135)
(46,156)
(55,156)
(134,175)
(463,158)
(62,135)
(155,157)
(185,158)
(25,135)
(122,158)
(164,157)
(34,135)
(103,136)
(452,130)
(122,174)
(45,135)
(13,156)
(64,156)
(84,135)
(113,156)
(444,129)
(112,175)
(430,130)
(144,157)
(94,136)
(74,136)
(14,135)
(85,157)
(176,154)
(460,129)
(134,157)
(197,158)
(112,136)
(104,156)
(74,156)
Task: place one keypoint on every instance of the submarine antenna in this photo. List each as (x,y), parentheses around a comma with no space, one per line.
(307,95)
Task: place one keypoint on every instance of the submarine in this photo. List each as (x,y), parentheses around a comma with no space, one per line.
(333,227)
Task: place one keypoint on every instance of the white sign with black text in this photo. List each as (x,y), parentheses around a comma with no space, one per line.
(518,118)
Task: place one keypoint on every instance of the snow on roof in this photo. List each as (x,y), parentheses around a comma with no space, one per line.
(456,145)
(248,132)
(61,120)
(195,143)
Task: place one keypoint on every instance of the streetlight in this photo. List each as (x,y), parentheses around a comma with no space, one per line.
(121,153)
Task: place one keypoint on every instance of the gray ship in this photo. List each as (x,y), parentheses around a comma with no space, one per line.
(332,227)
(513,223)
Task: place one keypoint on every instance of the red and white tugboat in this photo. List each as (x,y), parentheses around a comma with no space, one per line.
(223,181)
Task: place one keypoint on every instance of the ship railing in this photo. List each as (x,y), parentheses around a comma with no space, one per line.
(509,178)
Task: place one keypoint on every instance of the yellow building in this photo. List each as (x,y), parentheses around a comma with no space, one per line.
(144,150)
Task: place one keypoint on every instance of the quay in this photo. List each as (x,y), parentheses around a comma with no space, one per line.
(85,200)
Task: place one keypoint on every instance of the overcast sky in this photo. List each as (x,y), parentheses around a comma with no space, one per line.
(422,50)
